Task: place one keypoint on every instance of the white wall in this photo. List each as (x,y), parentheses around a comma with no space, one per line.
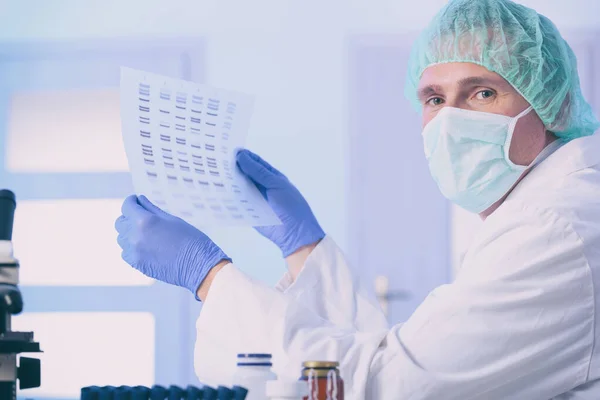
(75,18)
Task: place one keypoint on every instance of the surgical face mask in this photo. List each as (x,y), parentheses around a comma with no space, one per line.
(467,153)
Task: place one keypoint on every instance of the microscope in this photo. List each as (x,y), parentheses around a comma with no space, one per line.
(27,372)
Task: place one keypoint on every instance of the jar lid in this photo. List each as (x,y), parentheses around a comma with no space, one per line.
(287,389)
(320,364)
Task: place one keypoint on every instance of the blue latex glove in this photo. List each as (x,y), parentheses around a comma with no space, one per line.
(299,226)
(163,246)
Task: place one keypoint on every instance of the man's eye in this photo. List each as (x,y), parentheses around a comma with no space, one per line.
(485,94)
(435,101)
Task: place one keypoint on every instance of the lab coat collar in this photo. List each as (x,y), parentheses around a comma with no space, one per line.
(573,156)
(577,154)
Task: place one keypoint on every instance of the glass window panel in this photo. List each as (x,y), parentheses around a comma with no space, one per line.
(84,349)
(71,242)
(65,131)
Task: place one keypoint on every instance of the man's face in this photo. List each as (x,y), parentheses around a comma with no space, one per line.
(473,87)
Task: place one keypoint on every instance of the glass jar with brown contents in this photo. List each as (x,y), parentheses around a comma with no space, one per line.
(324,380)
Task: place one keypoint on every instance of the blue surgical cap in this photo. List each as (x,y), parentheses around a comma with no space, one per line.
(517,43)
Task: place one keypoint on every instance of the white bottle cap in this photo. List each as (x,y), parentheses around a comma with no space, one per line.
(293,389)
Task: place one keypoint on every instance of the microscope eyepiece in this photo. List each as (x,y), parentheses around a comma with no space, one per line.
(7,213)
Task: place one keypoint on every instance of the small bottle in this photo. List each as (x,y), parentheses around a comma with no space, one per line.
(287,390)
(252,372)
(324,380)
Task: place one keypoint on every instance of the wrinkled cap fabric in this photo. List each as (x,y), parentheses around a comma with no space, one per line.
(517,43)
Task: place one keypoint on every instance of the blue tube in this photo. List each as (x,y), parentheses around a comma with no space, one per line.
(122,393)
(106,393)
(175,393)
(209,393)
(158,393)
(140,393)
(239,393)
(90,393)
(224,393)
(193,393)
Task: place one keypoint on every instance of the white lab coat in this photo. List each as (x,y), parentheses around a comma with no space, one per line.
(518,322)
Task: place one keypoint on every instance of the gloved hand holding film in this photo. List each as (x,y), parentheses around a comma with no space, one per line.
(299,226)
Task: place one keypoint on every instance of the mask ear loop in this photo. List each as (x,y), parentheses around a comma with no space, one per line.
(509,137)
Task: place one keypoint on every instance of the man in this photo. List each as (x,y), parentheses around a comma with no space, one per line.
(508,135)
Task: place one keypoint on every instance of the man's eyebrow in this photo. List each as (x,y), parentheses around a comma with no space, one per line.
(428,91)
